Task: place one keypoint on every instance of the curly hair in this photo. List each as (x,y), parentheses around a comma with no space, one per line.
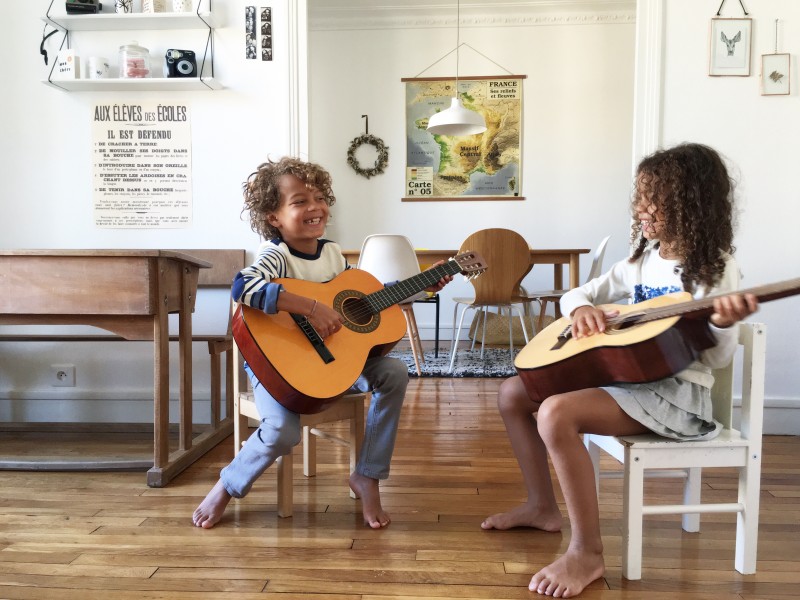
(262,195)
(691,187)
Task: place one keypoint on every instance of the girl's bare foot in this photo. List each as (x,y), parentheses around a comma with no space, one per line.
(525,515)
(569,575)
(212,507)
(366,488)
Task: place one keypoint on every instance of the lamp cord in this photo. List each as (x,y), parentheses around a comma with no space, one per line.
(457,50)
(458,40)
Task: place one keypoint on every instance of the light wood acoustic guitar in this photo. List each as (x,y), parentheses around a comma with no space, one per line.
(306,373)
(647,341)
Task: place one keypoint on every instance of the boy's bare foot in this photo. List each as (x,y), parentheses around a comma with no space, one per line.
(212,507)
(569,575)
(366,488)
(525,515)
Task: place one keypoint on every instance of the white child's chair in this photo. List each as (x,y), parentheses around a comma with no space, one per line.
(390,257)
(739,449)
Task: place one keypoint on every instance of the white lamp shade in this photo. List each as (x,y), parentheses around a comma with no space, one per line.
(456,121)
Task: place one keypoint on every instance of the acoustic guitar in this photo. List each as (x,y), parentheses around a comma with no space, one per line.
(306,373)
(647,341)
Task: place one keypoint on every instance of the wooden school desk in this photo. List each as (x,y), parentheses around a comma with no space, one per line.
(130,293)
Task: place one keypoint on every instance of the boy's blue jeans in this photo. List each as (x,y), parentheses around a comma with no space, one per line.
(279,429)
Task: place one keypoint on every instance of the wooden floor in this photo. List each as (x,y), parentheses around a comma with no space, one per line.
(107,535)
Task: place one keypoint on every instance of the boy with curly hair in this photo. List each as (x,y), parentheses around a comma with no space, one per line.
(289,206)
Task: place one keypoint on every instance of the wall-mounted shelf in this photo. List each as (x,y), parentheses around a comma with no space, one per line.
(142,22)
(143,84)
(115,22)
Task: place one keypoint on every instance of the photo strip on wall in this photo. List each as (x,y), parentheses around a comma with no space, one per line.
(258,26)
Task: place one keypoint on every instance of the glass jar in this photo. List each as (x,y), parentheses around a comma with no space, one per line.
(134,61)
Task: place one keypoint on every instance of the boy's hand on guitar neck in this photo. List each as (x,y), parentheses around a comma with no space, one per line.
(588,320)
(733,308)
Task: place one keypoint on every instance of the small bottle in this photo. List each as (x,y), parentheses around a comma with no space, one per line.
(134,61)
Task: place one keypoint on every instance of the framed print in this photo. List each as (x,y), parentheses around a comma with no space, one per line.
(730,47)
(775,69)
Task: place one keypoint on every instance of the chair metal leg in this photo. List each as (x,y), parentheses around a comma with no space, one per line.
(456,334)
(436,334)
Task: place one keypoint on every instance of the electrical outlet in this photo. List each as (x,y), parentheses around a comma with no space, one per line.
(62,375)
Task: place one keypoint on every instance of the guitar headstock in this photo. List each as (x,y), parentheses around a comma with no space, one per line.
(471,264)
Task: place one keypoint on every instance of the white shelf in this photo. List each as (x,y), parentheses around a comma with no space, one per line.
(143,84)
(142,22)
(115,22)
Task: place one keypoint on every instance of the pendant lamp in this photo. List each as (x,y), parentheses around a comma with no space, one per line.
(457,120)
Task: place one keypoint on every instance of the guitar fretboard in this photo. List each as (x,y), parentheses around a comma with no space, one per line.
(394,294)
(705,306)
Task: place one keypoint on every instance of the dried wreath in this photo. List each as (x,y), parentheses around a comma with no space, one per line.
(380,162)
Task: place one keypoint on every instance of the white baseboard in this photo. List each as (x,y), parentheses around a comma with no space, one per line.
(781,416)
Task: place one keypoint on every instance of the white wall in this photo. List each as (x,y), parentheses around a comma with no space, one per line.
(758,134)
(47,195)
(578,102)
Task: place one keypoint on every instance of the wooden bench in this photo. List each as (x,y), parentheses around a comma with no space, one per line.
(224,265)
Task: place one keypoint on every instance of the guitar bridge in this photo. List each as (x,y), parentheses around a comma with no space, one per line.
(563,338)
(314,338)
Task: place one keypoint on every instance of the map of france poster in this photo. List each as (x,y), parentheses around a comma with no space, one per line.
(485,166)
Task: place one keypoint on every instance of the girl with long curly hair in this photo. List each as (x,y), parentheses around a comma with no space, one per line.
(682,233)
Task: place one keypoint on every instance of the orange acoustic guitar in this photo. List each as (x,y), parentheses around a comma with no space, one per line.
(306,373)
(645,342)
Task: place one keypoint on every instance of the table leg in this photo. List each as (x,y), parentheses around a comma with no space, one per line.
(574,271)
(161,388)
(558,284)
(185,350)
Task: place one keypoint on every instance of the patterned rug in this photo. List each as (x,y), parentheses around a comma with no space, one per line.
(495,363)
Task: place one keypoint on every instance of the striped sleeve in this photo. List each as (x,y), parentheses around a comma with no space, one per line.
(253,285)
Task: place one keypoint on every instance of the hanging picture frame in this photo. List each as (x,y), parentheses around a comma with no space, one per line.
(775,74)
(729,54)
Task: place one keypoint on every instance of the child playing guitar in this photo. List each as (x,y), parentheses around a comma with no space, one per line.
(682,232)
(289,204)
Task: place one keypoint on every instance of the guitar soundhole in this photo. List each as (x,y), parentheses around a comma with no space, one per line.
(352,305)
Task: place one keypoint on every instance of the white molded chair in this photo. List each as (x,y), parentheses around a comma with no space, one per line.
(349,407)
(391,257)
(554,296)
(651,455)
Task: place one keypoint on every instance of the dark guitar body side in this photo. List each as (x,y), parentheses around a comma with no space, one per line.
(658,357)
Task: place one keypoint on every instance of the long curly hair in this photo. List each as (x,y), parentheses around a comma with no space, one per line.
(262,195)
(691,187)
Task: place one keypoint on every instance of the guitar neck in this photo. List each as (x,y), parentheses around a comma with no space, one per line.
(402,290)
(705,306)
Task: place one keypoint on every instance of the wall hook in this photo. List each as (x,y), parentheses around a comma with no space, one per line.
(366,126)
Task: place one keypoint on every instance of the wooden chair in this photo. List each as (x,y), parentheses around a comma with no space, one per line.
(389,258)
(508,258)
(543,297)
(349,408)
(652,455)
